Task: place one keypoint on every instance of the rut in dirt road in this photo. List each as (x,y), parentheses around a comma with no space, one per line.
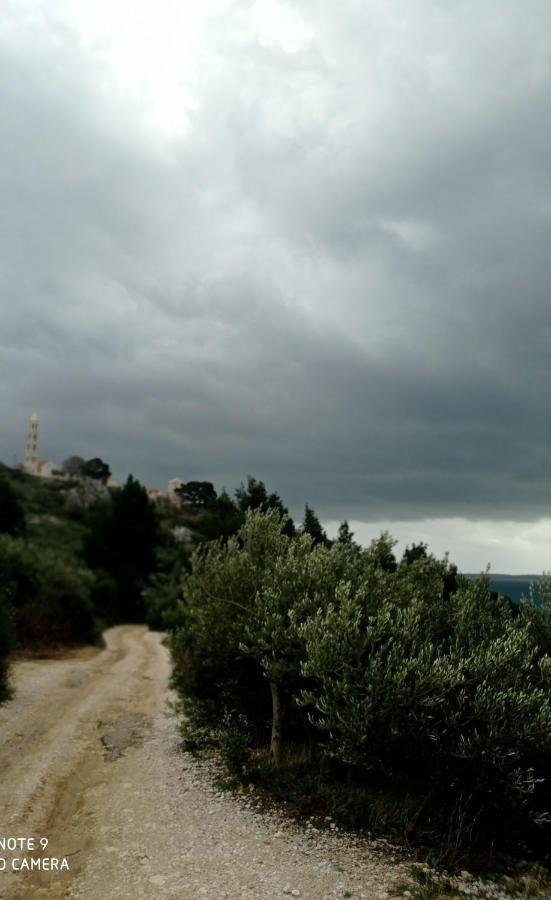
(90,760)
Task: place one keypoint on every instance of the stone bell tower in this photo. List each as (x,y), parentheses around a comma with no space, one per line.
(30,463)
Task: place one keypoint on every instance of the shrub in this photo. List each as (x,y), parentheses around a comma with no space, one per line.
(235,648)
(217,599)
(449,693)
(234,741)
(50,596)
(162,592)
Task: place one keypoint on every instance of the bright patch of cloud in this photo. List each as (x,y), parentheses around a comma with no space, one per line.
(521,548)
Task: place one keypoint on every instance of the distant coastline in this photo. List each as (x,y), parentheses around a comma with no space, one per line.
(513,586)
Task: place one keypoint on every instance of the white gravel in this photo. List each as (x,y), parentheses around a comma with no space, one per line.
(173,835)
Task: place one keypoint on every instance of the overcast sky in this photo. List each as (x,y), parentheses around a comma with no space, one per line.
(304,240)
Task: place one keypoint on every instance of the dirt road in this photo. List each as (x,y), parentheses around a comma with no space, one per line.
(89,762)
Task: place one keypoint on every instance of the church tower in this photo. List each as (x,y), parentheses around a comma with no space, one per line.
(30,463)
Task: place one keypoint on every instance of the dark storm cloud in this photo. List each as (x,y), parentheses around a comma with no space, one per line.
(336,278)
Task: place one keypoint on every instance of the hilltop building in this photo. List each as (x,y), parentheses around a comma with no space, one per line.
(30,461)
(44,468)
(171,494)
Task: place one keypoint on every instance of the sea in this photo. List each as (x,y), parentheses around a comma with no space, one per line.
(513,586)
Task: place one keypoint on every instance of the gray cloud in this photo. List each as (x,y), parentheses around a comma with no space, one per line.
(335,276)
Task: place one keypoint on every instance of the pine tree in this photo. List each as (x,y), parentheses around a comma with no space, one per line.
(122,544)
(311,525)
(345,536)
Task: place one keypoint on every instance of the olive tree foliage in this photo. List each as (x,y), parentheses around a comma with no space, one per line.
(219,642)
(449,690)
(537,608)
(238,625)
(403,671)
(293,584)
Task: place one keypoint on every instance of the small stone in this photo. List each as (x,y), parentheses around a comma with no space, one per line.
(295,892)
(158,880)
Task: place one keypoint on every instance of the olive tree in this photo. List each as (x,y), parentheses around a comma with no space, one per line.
(449,690)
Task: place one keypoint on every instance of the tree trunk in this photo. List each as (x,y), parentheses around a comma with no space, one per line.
(275,743)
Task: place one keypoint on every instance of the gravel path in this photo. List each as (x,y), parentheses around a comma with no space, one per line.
(90,761)
(169,833)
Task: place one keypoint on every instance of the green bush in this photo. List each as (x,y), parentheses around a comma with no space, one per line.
(449,693)
(50,596)
(210,667)
(236,632)
(162,592)
(234,741)
(233,642)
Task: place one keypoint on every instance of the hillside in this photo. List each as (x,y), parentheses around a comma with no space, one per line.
(50,523)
